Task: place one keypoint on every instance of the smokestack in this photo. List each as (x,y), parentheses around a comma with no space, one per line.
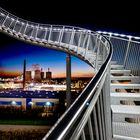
(24,71)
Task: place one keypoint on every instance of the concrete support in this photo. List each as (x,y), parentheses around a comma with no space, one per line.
(68,80)
(24,70)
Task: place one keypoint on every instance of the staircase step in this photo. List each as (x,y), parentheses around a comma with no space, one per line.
(124,86)
(124,72)
(125,96)
(129,98)
(116,66)
(123,78)
(126,131)
(113,62)
(121,112)
(126,109)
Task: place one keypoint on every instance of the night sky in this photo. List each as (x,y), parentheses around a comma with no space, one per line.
(105,16)
(13,54)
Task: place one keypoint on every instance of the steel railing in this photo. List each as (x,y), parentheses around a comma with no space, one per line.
(89,117)
(126,50)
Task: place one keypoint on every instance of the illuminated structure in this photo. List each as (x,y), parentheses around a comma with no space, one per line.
(91,116)
(48,75)
(42,74)
(24,75)
(37,77)
(28,77)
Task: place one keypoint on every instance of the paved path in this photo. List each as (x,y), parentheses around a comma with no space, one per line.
(23,127)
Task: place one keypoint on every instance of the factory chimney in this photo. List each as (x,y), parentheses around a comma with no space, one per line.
(24,71)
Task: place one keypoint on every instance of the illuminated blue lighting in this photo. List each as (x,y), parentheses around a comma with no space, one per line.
(122,35)
(13,103)
(44,104)
(48,103)
(99,32)
(129,36)
(116,34)
(10,103)
(137,37)
(104,32)
(30,103)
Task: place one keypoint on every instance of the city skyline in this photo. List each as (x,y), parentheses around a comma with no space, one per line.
(14,52)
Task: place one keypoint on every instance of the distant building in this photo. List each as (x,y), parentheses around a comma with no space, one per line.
(37,76)
(48,75)
(28,77)
(42,74)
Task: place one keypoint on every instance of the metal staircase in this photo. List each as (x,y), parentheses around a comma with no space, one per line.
(125,112)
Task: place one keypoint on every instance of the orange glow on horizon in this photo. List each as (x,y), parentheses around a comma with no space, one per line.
(74,74)
(7,74)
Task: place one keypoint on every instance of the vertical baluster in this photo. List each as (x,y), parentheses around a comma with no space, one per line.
(36,31)
(133,51)
(83,45)
(102,115)
(99,120)
(83,135)
(5,19)
(90,129)
(22,24)
(86,34)
(15,24)
(97,53)
(12,20)
(41,33)
(32,26)
(96,124)
(50,33)
(127,49)
(25,28)
(61,35)
(2,18)
(8,25)
(87,44)
(72,37)
(104,50)
(96,43)
(45,36)
(79,42)
(110,36)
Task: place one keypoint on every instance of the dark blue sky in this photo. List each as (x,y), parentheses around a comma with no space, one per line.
(14,52)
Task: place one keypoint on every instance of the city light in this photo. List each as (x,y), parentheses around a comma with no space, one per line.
(30,103)
(13,103)
(48,103)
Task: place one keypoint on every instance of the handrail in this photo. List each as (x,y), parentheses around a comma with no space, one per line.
(126,50)
(95,50)
(79,105)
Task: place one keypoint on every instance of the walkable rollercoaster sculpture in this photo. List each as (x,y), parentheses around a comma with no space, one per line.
(90,116)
